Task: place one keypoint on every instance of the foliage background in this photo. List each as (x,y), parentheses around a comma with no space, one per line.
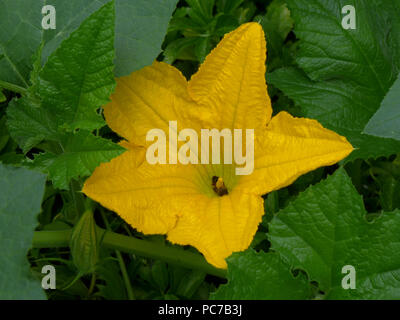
(52,136)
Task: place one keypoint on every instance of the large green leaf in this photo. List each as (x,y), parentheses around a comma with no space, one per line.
(326,228)
(77,78)
(386,121)
(70,14)
(135,21)
(21,32)
(19,38)
(347,72)
(82,153)
(256,276)
(21,193)
(338,106)
(140,29)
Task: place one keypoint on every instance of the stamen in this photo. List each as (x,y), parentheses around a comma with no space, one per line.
(219,186)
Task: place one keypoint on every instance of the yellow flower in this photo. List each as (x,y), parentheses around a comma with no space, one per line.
(207,206)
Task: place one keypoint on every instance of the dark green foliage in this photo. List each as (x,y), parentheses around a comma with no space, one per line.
(53,87)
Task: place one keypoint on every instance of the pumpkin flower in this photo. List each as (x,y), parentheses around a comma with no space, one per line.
(207,206)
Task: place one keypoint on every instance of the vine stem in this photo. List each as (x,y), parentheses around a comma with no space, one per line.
(121,262)
(144,248)
(13,87)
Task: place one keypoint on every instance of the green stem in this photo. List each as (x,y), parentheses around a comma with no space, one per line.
(13,87)
(51,239)
(65,261)
(92,284)
(121,262)
(127,280)
(112,240)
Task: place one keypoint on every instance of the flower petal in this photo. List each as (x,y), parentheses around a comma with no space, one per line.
(218,226)
(289,148)
(231,81)
(148,99)
(148,197)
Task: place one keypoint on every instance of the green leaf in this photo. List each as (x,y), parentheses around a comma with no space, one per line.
(176,49)
(386,121)
(135,21)
(389,194)
(338,106)
(202,49)
(28,124)
(189,283)
(82,153)
(159,274)
(11,158)
(256,276)
(84,244)
(228,6)
(180,21)
(18,26)
(246,12)
(387,175)
(278,19)
(78,79)
(22,26)
(225,23)
(140,29)
(70,14)
(114,288)
(20,198)
(325,229)
(201,11)
(347,72)
(277,24)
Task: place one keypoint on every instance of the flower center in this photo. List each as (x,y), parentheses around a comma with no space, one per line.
(219,186)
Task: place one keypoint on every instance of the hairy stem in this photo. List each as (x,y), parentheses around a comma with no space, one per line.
(112,240)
